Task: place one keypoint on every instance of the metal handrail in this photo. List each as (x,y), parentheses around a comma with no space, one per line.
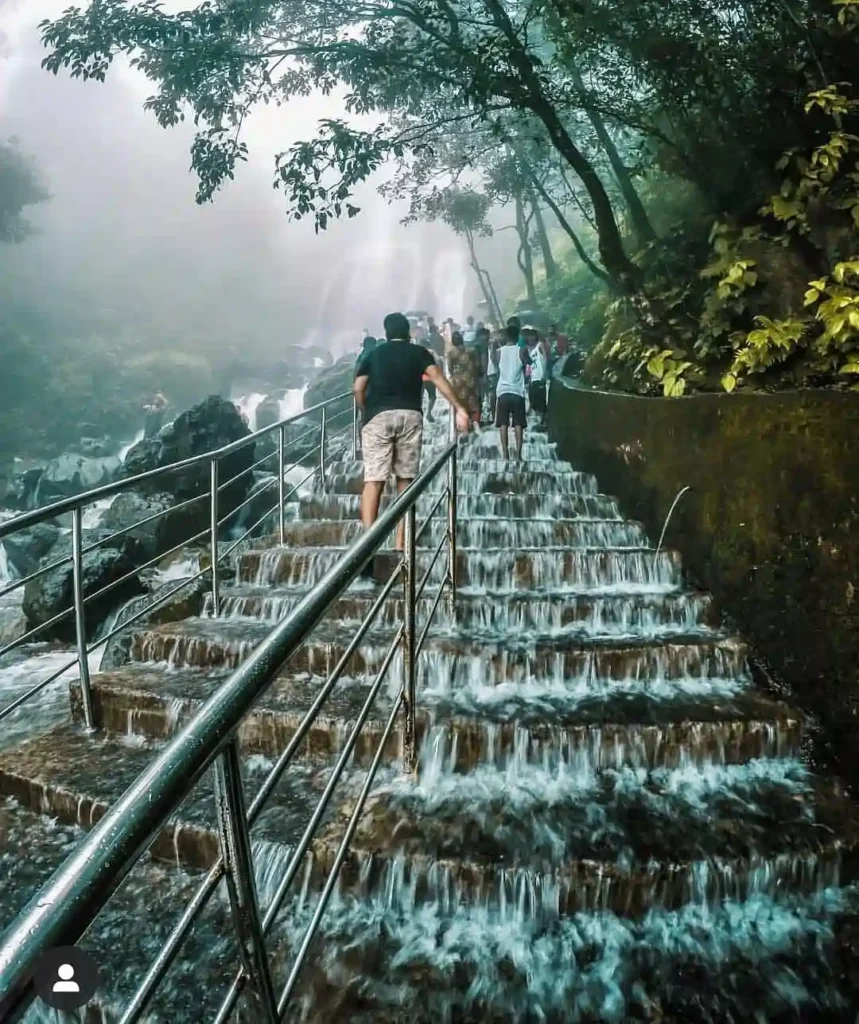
(67,904)
(77,503)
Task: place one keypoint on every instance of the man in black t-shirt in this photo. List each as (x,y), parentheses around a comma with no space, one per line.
(388,390)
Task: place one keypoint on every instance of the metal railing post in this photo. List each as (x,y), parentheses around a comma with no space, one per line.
(213,539)
(80,620)
(409,658)
(234,841)
(281,469)
(354,428)
(323,442)
(451,524)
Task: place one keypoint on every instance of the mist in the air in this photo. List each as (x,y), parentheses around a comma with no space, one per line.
(122,249)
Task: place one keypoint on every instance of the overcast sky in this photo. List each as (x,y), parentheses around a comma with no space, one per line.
(122,230)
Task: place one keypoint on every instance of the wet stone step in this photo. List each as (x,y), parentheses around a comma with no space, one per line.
(491,462)
(600,837)
(68,775)
(152,702)
(621,839)
(519,480)
(381,959)
(496,615)
(504,506)
(468,464)
(480,448)
(499,569)
(599,727)
(477,533)
(47,844)
(385,962)
(452,662)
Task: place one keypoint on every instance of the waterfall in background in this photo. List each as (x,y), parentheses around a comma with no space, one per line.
(94,514)
(5,569)
(293,401)
(126,448)
(248,405)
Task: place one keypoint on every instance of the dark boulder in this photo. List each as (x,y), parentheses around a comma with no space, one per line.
(329,383)
(300,440)
(212,424)
(142,457)
(97,447)
(315,352)
(182,599)
(13,624)
(268,411)
(71,474)
(263,500)
(22,490)
(8,492)
(53,593)
(157,536)
(26,549)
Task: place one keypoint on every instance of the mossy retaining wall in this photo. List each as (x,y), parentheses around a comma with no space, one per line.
(770,526)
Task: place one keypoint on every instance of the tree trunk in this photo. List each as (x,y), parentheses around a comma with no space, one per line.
(641,225)
(475,266)
(525,258)
(626,275)
(574,238)
(549,263)
(577,199)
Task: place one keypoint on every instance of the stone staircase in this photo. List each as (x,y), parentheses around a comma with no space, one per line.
(610,822)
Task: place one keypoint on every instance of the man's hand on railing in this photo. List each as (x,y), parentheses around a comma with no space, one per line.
(463,421)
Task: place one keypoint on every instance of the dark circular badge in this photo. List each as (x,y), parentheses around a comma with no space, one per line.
(66,978)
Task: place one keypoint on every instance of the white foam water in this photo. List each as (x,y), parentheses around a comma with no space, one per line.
(93,515)
(26,667)
(597,830)
(248,405)
(292,402)
(126,448)
(749,959)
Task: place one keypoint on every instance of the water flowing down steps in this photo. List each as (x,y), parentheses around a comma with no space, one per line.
(610,822)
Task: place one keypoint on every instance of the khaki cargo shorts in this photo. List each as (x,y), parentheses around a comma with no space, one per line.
(392,443)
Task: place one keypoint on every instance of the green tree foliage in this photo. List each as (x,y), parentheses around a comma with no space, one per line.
(437,63)
(698,158)
(20,187)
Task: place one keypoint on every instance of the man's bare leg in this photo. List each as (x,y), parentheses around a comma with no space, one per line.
(370,498)
(518,433)
(401,528)
(504,450)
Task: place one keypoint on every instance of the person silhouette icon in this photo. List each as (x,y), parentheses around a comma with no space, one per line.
(65,977)
(66,982)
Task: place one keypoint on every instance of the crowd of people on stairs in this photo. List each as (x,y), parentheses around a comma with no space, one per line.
(492,379)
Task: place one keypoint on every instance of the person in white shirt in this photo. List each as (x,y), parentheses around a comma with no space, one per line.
(510,390)
(469,333)
(539,377)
